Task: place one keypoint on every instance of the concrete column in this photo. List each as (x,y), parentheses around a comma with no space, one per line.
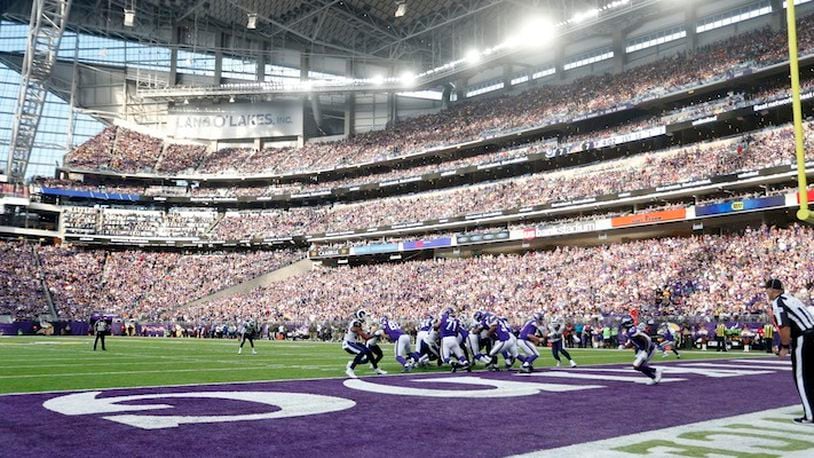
(173,78)
(507,76)
(304,66)
(619,55)
(218,58)
(690,23)
(260,72)
(446,94)
(350,104)
(559,61)
(460,89)
(392,109)
(778,20)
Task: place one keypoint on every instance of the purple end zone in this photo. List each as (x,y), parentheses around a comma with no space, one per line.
(394,425)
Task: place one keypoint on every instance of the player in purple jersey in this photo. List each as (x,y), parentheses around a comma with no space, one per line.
(401,342)
(667,341)
(505,343)
(448,328)
(644,348)
(528,340)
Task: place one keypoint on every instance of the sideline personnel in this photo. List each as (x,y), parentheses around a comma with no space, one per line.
(100,327)
(795,325)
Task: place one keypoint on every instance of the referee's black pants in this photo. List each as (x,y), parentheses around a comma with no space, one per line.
(100,336)
(802,363)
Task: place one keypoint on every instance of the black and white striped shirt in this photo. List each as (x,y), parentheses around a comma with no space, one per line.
(789,311)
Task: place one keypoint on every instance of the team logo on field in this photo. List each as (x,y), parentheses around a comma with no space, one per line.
(286,404)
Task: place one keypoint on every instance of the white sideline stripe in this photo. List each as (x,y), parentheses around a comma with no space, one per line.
(244,382)
(738,366)
(91,374)
(613,378)
(771,362)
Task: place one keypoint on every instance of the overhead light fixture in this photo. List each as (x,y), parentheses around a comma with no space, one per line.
(252,23)
(473,56)
(186,101)
(129,17)
(401,9)
(377,80)
(232,99)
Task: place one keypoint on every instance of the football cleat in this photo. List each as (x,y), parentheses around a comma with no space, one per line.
(558,364)
(656,380)
(379,371)
(573,364)
(349,372)
(803,421)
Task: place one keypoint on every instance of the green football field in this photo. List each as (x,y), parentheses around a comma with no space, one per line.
(31,364)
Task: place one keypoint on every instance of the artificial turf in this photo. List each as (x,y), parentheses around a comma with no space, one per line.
(33,364)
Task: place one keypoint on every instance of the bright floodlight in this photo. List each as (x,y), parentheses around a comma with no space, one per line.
(377,80)
(251,24)
(401,9)
(473,56)
(408,77)
(129,17)
(536,31)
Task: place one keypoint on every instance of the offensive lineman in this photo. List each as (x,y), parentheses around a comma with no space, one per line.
(401,343)
(448,327)
(352,345)
(528,341)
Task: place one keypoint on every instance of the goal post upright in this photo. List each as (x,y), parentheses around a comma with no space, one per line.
(803,213)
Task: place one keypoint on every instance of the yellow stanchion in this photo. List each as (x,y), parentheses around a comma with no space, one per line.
(803,213)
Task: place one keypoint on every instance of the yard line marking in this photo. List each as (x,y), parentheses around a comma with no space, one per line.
(739,366)
(613,378)
(93,374)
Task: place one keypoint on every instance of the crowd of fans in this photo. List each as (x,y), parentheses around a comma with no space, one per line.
(535,107)
(21,292)
(705,275)
(144,283)
(769,147)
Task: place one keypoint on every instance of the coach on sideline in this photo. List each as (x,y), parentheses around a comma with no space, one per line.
(100,328)
(795,324)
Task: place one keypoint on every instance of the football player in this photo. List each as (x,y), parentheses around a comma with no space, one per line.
(247,332)
(528,341)
(667,341)
(425,341)
(401,342)
(644,348)
(555,330)
(448,328)
(482,328)
(505,343)
(352,345)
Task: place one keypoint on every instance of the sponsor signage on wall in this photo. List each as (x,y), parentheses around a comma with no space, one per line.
(236,120)
(646,218)
(740,205)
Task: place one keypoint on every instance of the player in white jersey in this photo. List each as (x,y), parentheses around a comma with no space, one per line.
(247,332)
(352,345)
(555,330)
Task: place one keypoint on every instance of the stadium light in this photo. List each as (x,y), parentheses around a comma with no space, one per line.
(407,78)
(129,17)
(401,9)
(473,56)
(535,32)
(252,22)
(377,80)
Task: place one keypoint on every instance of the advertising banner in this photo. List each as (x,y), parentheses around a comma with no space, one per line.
(732,206)
(236,120)
(646,218)
(373,249)
(482,237)
(432,243)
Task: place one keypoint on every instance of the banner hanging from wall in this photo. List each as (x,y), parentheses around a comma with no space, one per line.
(236,120)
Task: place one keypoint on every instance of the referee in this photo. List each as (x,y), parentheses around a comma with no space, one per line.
(100,327)
(795,325)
